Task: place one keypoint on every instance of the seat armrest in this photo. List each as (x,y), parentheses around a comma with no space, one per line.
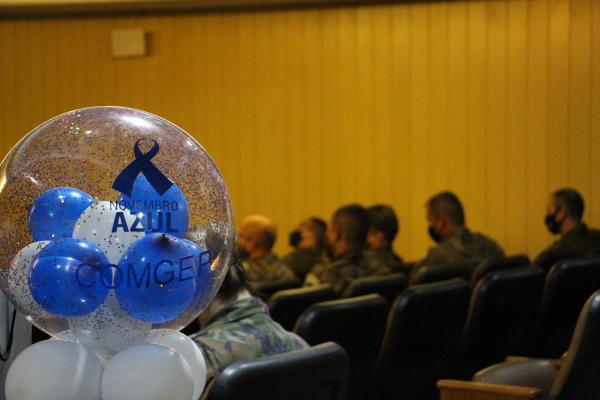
(557,362)
(465,390)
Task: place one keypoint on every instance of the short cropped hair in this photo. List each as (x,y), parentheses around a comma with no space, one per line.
(447,204)
(235,280)
(571,201)
(267,239)
(353,222)
(382,218)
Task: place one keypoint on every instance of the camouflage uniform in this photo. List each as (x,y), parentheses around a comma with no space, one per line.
(269,268)
(578,242)
(339,272)
(383,261)
(461,246)
(301,261)
(242,331)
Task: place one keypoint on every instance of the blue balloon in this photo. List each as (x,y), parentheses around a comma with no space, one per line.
(67,287)
(82,250)
(203,275)
(168,213)
(155,279)
(54,214)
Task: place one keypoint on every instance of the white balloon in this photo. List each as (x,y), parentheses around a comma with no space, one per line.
(109,329)
(96,225)
(54,370)
(18,280)
(189,350)
(147,372)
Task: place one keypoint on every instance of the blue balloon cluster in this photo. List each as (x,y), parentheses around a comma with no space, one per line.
(167,213)
(66,277)
(70,277)
(157,278)
(54,214)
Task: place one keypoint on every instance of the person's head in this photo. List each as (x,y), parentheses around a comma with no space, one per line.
(347,231)
(564,210)
(445,215)
(310,234)
(234,287)
(383,227)
(256,237)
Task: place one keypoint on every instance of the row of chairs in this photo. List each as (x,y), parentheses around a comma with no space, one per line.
(566,287)
(322,372)
(388,285)
(441,329)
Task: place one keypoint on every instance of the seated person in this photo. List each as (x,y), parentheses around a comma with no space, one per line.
(237,326)
(383,228)
(308,240)
(564,218)
(345,240)
(255,243)
(455,242)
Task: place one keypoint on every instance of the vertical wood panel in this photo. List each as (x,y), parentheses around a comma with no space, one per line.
(579,95)
(593,204)
(537,120)
(475,197)
(305,110)
(516,134)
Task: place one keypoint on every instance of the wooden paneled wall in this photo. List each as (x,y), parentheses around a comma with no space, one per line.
(307,109)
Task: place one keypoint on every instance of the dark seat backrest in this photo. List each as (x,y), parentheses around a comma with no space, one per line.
(286,306)
(267,288)
(568,285)
(497,264)
(423,330)
(437,273)
(388,286)
(578,376)
(501,315)
(317,373)
(357,324)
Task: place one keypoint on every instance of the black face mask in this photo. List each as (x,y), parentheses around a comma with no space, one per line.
(434,235)
(295,238)
(552,224)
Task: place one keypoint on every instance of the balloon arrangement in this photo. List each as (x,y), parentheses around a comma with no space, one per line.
(116,233)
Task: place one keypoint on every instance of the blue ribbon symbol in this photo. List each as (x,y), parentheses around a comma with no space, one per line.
(142,163)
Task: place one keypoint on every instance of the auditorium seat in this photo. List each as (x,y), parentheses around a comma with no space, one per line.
(267,288)
(286,306)
(569,284)
(317,373)
(388,286)
(423,330)
(501,315)
(437,273)
(498,264)
(576,379)
(357,324)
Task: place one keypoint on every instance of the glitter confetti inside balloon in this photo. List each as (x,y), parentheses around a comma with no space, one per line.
(90,158)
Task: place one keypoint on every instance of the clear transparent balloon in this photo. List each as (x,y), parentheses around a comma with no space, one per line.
(114,222)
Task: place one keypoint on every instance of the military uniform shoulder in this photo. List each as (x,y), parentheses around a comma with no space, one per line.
(381,262)
(244,331)
(267,269)
(485,246)
(484,238)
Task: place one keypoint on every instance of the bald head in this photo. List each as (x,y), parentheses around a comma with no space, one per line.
(257,236)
